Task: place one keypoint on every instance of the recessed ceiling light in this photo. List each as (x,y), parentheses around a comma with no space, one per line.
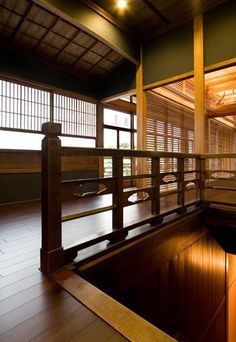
(121,4)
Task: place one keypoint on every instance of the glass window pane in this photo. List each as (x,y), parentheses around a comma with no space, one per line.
(135,121)
(110,138)
(127,166)
(77,142)
(107,163)
(20,140)
(125,140)
(116,118)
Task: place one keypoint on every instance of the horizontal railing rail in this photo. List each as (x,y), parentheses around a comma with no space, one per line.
(219,176)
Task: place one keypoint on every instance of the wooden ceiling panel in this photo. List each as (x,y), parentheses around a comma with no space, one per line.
(24,42)
(9,19)
(105,64)
(65,60)
(96,72)
(65,29)
(101,49)
(82,65)
(33,30)
(55,40)
(114,57)
(85,40)
(6,32)
(42,17)
(16,6)
(75,50)
(47,52)
(28,28)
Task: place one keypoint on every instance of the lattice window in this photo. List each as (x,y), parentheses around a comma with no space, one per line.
(22,107)
(26,108)
(77,117)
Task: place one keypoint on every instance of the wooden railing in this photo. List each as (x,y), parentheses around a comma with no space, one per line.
(219,179)
(175,178)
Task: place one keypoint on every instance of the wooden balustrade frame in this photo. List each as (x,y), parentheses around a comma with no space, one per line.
(53,256)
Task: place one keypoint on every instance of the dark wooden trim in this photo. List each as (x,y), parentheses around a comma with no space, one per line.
(52,257)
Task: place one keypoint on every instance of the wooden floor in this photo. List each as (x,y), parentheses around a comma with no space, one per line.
(33,307)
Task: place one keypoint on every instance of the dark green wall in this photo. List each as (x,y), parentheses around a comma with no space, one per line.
(168,55)
(27,186)
(220,33)
(122,79)
(33,70)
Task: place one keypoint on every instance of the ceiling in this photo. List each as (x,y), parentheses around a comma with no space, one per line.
(32,30)
(148,18)
(220,94)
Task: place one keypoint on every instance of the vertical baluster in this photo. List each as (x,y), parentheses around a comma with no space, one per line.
(181,186)
(51,251)
(156,190)
(202,178)
(117,213)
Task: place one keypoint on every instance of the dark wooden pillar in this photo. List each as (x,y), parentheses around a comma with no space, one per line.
(181,186)
(156,191)
(117,200)
(51,251)
(202,178)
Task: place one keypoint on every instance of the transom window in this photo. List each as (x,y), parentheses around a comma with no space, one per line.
(23,110)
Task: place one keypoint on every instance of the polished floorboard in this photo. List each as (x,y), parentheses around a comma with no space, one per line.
(33,307)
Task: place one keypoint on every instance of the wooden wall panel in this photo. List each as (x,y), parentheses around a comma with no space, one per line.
(175,280)
(231,312)
(30,161)
(20,173)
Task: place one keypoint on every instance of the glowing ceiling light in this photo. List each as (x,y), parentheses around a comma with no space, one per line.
(121,4)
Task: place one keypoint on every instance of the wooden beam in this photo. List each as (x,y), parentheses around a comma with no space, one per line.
(83,17)
(199,115)
(122,105)
(141,120)
(99,10)
(141,108)
(155,10)
(224,111)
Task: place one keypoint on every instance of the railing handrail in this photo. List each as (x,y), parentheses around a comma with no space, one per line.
(218,155)
(109,152)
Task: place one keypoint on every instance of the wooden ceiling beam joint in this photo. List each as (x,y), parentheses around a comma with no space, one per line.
(22,21)
(75,36)
(156,11)
(47,33)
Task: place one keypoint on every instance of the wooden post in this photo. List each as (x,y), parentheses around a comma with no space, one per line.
(199,114)
(202,178)
(141,122)
(156,191)
(181,187)
(51,251)
(117,199)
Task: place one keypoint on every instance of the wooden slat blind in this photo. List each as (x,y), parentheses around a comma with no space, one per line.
(170,128)
(222,140)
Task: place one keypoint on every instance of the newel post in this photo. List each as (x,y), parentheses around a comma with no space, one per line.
(51,252)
